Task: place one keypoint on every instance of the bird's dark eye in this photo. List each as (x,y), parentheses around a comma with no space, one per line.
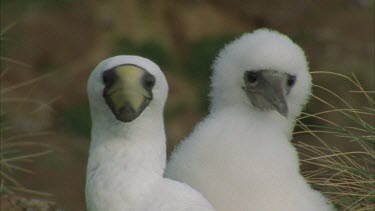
(149,81)
(251,77)
(291,80)
(108,77)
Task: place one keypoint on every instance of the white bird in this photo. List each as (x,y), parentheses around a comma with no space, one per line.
(240,156)
(127,153)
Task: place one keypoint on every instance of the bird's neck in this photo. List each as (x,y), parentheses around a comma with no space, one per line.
(129,158)
(140,146)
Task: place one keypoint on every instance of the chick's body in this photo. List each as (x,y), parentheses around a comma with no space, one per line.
(240,157)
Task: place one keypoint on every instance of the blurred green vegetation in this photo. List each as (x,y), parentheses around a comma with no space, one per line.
(303,37)
(77,119)
(150,49)
(198,63)
(20,6)
(201,55)
(176,110)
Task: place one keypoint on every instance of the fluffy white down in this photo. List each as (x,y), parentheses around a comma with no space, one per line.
(241,158)
(127,160)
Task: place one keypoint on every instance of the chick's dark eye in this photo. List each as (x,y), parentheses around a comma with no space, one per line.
(251,77)
(291,80)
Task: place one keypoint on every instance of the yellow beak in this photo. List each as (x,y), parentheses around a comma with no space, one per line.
(126,92)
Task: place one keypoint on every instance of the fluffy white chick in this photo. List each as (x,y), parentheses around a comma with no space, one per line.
(127,153)
(240,156)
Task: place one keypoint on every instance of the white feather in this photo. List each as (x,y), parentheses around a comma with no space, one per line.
(241,158)
(127,160)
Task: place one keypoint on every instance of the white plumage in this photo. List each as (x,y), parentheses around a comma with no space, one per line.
(127,159)
(240,156)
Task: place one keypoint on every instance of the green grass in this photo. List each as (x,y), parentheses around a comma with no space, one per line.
(347,178)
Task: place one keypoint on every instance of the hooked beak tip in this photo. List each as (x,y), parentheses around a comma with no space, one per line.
(283,110)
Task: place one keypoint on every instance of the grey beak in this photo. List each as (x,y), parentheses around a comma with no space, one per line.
(268,92)
(278,100)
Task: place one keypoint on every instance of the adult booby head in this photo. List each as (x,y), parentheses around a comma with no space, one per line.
(263,69)
(122,88)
